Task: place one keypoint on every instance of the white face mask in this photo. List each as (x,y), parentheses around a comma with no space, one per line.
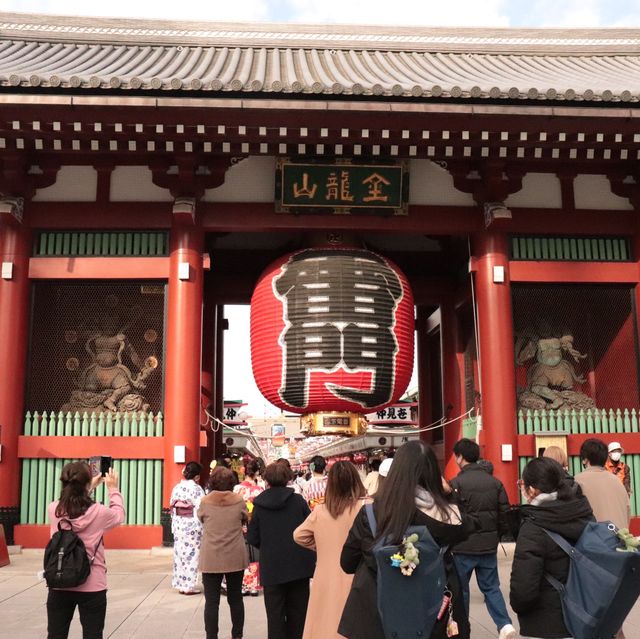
(615,457)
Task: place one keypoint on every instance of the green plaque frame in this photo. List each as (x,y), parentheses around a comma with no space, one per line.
(343,187)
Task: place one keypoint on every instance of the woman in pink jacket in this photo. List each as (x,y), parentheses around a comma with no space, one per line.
(89,521)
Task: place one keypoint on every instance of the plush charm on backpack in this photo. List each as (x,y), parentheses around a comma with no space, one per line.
(631,543)
(408,561)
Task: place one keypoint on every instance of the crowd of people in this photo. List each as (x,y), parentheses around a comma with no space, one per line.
(315,543)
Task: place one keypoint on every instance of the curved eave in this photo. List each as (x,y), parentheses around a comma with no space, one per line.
(318,72)
(76,55)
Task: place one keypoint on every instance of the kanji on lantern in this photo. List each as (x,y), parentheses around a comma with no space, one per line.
(336,325)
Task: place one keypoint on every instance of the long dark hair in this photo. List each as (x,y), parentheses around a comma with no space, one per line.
(74,498)
(344,488)
(414,464)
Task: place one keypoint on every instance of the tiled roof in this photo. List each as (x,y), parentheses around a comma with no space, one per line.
(137,55)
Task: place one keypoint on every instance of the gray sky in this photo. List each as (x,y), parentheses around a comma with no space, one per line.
(504,13)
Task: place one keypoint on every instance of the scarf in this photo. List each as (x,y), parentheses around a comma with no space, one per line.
(424,499)
(544,497)
(427,504)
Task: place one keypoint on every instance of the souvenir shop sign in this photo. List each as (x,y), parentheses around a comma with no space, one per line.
(342,188)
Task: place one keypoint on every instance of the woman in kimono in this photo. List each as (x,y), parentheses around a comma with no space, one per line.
(187,530)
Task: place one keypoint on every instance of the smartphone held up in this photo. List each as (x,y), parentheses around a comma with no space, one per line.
(100,465)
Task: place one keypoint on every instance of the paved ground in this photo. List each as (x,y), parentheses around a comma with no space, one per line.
(143,605)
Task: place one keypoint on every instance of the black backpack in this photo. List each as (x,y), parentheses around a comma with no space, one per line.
(66,561)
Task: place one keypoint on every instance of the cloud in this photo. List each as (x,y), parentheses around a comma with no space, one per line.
(401,12)
(569,13)
(217,11)
(460,13)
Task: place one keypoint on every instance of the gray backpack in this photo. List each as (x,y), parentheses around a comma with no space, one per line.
(409,606)
(603,583)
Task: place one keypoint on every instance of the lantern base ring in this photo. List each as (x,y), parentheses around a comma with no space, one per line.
(333,423)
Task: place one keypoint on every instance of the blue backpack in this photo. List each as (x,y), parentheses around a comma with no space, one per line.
(409,605)
(603,583)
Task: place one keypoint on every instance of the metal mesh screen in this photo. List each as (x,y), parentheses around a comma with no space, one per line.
(96,347)
(575,347)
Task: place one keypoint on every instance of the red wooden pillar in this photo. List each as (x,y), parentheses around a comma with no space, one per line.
(424,380)
(636,254)
(15,250)
(497,369)
(208,380)
(183,351)
(218,446)
(452,392)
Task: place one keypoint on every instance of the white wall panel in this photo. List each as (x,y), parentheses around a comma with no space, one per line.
(539,190)
(251,180)
(135,184)
(73,184)
(594,192)
(429,183)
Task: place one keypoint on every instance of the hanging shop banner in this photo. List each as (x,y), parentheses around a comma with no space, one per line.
(396,415)
(342,188)
(277,435)
(332,330)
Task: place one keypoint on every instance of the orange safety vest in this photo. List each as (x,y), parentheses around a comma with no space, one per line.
(621,471)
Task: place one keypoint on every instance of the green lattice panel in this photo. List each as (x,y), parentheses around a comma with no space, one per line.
(101,244)
(571,249)
(140,485)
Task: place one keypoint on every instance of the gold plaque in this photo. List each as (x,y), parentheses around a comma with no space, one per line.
(334,423)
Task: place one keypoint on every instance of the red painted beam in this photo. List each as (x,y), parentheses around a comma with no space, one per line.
(107,215)
(96,268)
(579,222)
(575,272)
(129,537)
(304,111)
(260,216)
(630,442)
(83,447)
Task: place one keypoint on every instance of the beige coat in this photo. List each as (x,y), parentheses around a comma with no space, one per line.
(606,494)
(223,549)
(330,586)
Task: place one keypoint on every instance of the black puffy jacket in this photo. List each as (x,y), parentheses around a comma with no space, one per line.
(532,598)
(277,512)
(484,499)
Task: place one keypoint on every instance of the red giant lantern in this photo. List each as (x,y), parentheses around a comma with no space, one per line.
(332,336)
